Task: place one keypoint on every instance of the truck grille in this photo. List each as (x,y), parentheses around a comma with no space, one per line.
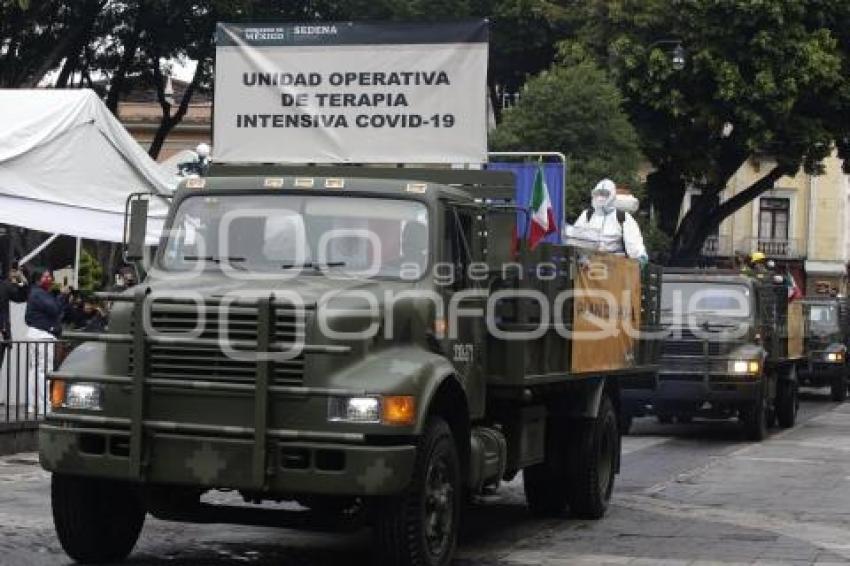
(212,362)
(689,348)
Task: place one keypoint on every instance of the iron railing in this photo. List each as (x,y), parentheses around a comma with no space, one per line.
(777,247)
(23,384)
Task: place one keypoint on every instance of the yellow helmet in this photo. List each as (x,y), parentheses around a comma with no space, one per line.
(757,256)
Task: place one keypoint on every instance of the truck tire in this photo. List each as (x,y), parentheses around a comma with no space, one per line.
(786,402)
(96,520)
(594,458)
(838,387)
(419,527)
(754,419)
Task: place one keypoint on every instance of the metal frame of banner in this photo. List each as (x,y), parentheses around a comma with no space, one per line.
(556,154)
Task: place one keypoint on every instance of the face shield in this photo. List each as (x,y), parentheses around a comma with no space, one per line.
(602,196)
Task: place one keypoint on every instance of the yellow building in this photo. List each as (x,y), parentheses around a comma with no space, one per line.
(801,224)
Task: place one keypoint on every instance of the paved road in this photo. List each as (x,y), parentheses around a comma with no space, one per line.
(688,494)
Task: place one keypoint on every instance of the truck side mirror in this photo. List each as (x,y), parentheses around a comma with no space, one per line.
(138,225)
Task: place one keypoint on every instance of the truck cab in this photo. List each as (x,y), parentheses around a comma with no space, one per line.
(827,324)
(368,343)
(732,348)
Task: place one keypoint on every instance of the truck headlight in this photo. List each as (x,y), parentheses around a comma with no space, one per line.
(388,410)
(355,409)
(87,396)
(744,366)
(835,357)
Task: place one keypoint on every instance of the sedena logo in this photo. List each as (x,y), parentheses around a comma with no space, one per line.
(315,30)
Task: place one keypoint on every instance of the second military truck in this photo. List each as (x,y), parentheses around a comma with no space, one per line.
(732,349)
(369,343)
(827,331)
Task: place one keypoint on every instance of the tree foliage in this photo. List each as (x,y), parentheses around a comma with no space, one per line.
(91,272)
(774,73)
(576,109)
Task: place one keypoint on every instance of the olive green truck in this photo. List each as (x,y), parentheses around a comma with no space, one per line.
(367,343)
(827,335)
(733,349)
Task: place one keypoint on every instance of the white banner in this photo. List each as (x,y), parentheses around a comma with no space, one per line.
(351,93)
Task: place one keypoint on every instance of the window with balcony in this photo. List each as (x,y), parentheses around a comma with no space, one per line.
(773,234)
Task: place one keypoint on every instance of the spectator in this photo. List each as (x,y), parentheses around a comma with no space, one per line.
(124,279)
(12,289)
(44,318)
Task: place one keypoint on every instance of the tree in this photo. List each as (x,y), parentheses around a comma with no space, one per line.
(35,39)
(90,277)
(574,108)
(761,77)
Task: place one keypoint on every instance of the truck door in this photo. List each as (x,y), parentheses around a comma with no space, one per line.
(463,280)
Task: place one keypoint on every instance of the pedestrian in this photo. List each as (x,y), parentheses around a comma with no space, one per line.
(44,319)
(125,278)
(615,230)
(13,289)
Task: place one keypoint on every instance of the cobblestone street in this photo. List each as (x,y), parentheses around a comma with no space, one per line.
(688,494)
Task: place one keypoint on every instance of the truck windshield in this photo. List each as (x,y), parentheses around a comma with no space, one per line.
(823,316)
(681,299)
(359,235)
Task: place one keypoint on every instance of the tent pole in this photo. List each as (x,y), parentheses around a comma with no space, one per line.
(77,254)
(38,249)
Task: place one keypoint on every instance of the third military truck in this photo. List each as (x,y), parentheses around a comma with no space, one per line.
(827,329)
(732,349)
(373,344)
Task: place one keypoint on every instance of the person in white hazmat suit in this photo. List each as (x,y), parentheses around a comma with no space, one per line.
(604,228)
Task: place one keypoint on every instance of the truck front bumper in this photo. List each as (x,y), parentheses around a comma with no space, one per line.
(214,462)
(689,392)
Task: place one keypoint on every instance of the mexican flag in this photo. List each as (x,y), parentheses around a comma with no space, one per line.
(542,214)
(794,291)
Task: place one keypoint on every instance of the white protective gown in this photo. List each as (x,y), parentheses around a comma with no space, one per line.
(602,230)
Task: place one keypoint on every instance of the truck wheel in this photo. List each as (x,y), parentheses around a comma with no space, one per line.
(786,404)
(838,387)
(96,520)
(419,527)
(593,463)
(754,420)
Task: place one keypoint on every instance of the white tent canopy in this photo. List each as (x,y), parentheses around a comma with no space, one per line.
(67,165)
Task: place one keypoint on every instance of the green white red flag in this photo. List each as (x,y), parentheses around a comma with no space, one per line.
(542,213)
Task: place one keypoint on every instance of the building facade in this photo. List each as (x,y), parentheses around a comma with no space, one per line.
(801,224)
(140,113)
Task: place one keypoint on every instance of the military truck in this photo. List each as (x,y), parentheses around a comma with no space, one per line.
(827,330)
(259,356)
(733,346)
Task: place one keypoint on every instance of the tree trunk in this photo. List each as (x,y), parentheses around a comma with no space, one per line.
(168,122)
(116,84)
(665,190)
(698,224)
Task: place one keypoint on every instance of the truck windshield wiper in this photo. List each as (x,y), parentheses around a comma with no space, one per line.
(313,265)
(211,258)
